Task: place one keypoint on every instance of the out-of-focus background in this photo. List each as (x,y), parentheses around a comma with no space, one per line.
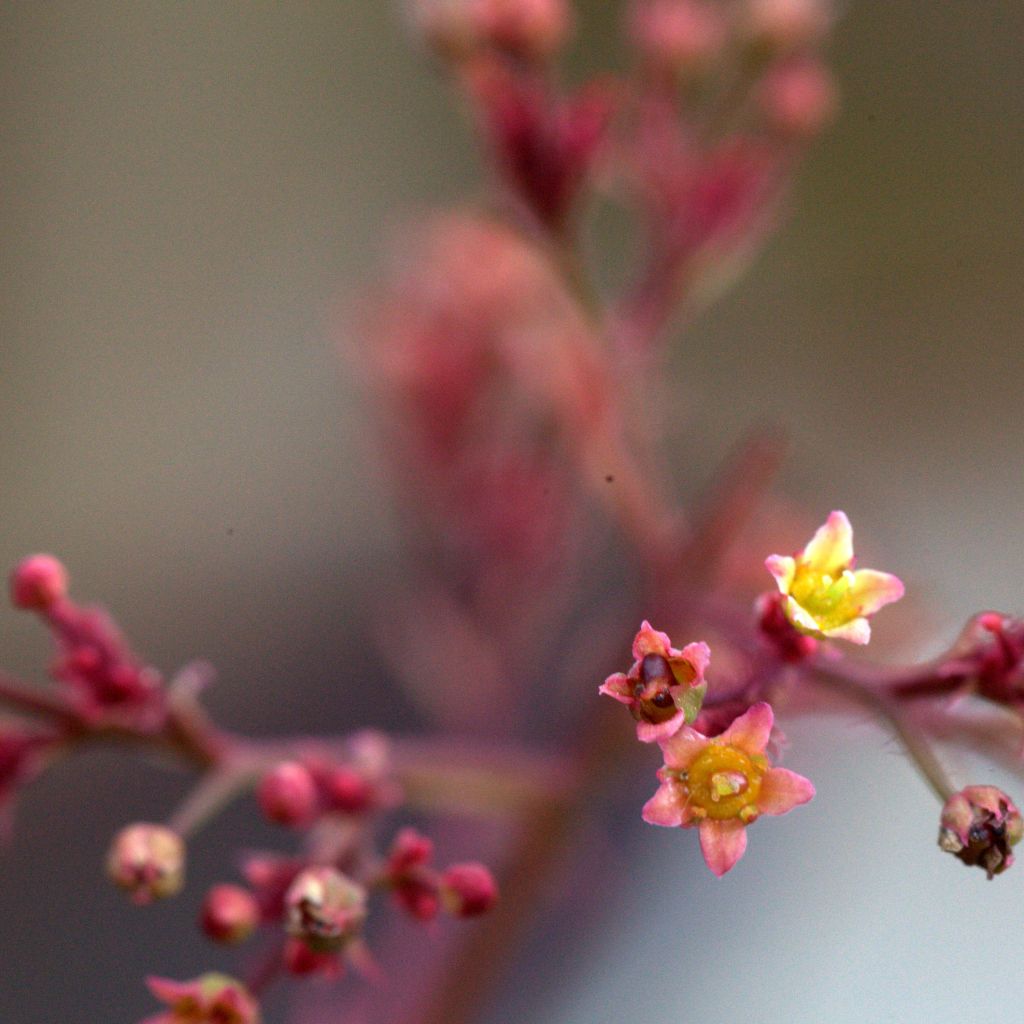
(193,193)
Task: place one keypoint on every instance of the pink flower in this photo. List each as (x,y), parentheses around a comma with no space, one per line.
(722,785)
(664,688)
(210,999)
(979,825)
(823,596)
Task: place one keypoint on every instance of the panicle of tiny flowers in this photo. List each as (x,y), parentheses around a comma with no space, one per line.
(467,350)
(822,594)
(104,679)
(980,825)
(727,95)
(664,688)
(147,861)
(209,999)
(721,785)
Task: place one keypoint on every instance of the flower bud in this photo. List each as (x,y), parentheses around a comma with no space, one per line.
(798,98)
(148,861)
(302,961)
(781,26)
(230,914)
(468,890)
(347,790)
(37,582)
(325,909)
(529,29)
(677,36)
(287,794)
(979,825)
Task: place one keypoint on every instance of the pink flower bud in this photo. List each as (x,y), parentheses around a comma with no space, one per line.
(468,890)
(37,582)
(789,643)
(148,861)
(677,36)
(979,825)
(781,26)
(302,961)
(798,98)
(325,909)
(287,794)
(529,29)
(230,914)
(347,790)
(409,850)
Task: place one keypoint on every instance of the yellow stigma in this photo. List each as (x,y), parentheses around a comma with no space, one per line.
(723,782)
(825,597)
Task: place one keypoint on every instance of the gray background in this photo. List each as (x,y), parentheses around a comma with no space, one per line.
(192,191)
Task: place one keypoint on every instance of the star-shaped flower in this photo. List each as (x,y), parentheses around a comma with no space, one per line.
(822,594)
(723,784)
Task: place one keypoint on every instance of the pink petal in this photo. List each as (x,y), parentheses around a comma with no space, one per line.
(857,631)
(650,641)
(783,568)
(722,843)
(618,687)
(682,748)
(831,548)
(170,991)
(692,663)
(872,590)
(782,790)
(665,807)
(655,732)
(751,731)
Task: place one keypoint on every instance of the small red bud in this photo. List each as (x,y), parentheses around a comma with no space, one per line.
(230,914)
(287,794)
(468,890)
(38,582)
(346,790)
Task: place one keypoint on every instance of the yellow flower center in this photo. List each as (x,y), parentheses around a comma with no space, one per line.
(825,597)
(723,782)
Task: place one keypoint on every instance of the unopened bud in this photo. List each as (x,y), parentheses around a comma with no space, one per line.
(348,791)
(782,26)
(325,909)
(979,825)
(468,890)
(525,28)
(148,861)
(38,582)
(230,914)
(677,36)
(798,98)
(287,794)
